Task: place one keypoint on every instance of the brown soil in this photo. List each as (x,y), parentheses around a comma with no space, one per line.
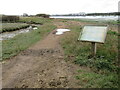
(41,66)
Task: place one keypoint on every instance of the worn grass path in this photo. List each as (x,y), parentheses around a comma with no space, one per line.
(41,66)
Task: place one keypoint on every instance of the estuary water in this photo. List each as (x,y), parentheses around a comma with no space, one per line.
(95,18)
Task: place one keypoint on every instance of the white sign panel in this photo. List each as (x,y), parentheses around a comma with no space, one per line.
(93,34)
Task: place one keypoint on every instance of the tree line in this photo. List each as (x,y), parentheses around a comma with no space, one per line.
(91,14)
(104,14)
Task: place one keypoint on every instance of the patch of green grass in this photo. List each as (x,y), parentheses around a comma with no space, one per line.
(99,22)
(85,20)
(35,20)
(106,53)
(113,33)
(97,80)
(21,42)
(112,22)
(106,58)
(7,27)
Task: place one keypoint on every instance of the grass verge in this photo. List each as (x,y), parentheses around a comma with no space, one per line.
(97,21)
(105,65)
(21,42)
(96,80)
(35,20)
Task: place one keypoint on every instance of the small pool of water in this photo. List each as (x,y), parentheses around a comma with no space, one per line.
(8,35)
(61,31)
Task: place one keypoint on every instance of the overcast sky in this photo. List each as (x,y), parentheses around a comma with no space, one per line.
(32,7)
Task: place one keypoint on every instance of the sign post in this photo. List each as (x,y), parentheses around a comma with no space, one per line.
(93,34)
(94,48)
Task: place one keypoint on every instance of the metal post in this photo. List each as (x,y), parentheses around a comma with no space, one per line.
(93,49)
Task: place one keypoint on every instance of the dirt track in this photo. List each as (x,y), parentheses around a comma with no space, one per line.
(40,66)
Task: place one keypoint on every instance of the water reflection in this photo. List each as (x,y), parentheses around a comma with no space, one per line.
(8,35)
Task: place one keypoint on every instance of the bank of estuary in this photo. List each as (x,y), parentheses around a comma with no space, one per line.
(47,60)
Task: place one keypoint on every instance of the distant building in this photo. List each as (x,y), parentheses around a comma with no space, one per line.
(78,14)
(82,13)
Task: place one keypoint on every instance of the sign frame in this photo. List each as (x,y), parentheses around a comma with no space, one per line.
(79,38)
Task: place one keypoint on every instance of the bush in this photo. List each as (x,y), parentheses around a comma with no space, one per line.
(10,18)
(43,15)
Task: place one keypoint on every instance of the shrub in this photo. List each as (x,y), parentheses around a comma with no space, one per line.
(43,15)
(10,18)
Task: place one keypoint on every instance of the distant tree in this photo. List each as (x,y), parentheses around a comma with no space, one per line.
(43,15)
(103,14)
(25,15)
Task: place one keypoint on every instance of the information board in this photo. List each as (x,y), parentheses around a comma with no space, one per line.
(93,33)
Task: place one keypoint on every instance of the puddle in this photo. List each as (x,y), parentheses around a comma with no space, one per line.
(8,35)
(61,31)
(35,28)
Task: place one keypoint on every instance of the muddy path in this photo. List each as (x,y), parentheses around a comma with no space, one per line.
(41,66)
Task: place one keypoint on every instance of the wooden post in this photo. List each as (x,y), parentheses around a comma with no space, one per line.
(93,49)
